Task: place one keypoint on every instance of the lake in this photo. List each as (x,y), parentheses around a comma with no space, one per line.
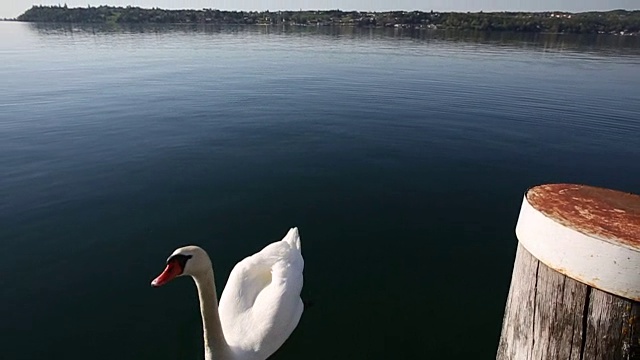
(402,156)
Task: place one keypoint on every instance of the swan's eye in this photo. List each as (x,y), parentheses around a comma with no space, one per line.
(175,267)
(180,259)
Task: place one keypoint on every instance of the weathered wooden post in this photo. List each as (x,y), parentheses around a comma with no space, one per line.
(575,289)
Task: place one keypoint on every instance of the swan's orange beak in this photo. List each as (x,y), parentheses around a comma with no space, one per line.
(172,270)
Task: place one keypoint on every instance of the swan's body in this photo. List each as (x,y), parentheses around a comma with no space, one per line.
(260,305)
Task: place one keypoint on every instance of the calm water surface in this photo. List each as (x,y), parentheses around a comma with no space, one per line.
(402,157)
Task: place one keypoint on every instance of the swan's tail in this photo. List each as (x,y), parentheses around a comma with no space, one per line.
(293,238)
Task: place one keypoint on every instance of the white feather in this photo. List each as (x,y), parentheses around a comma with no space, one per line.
(260,305)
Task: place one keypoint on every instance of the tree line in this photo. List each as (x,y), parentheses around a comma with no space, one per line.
(618,21)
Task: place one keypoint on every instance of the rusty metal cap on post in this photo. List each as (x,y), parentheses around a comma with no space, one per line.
(588,233)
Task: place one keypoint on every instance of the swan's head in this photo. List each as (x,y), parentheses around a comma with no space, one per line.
(188,260)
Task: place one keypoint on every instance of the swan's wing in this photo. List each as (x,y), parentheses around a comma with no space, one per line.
(260,305)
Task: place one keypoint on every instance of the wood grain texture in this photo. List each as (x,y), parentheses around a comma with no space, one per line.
(558,315)
(516,341)
(551,316)
(612,328)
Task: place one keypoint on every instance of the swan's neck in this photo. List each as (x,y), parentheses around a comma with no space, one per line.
(215,345)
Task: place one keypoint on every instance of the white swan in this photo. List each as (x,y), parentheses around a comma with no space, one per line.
(260,305)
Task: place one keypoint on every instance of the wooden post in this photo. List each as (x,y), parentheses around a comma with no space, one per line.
(575,288)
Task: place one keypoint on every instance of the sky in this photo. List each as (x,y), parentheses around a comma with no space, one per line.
(13,8)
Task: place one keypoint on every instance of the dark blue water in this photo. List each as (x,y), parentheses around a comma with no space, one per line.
(402,157)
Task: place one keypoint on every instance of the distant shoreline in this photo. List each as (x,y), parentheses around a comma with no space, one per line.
(618,22)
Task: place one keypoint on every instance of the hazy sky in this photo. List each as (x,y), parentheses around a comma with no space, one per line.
(13,8)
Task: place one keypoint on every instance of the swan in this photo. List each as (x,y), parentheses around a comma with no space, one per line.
(260,305)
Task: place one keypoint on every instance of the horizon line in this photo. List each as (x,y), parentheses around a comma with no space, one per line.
(337,9)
